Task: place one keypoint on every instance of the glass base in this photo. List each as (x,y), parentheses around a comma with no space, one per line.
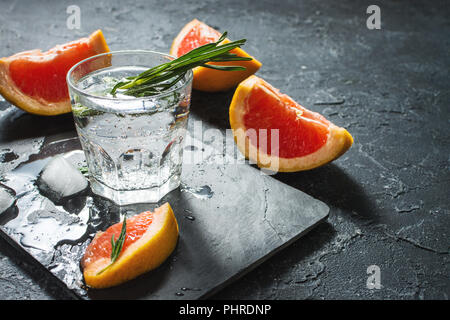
(126,197)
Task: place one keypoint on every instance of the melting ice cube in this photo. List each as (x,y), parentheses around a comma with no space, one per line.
(60,180)
(7,198)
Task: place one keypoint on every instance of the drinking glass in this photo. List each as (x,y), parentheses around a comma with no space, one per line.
(133,145)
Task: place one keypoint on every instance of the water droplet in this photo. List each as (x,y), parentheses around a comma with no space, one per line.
(179,294)
(190,218)
(7,155)
(190,289)
(7,198)
(203,192)
(191,148)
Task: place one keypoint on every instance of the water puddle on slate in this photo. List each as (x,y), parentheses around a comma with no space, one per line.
(8,155)
(57,233)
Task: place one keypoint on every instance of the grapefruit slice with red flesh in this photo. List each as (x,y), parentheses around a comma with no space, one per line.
(150,238)
(277,133)
(35,81)
(195,34)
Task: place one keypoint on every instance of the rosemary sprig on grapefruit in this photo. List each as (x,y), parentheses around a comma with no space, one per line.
(150,238)
(116,245)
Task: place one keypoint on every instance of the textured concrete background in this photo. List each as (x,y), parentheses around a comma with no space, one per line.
(389,195)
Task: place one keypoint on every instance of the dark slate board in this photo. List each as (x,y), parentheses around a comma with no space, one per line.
(231,218)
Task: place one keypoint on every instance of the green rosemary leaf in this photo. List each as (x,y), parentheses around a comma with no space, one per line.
(118,85)
(118,244)
(223,68)
(113,244)
(237,58)
(222,37)
(84,170)
(83,111)
(152,71)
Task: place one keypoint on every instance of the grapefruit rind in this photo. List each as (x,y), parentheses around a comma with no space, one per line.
(338,141)
(36,105)
(146,254)
(210,80)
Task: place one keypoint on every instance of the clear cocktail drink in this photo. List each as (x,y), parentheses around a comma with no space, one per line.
(133,145)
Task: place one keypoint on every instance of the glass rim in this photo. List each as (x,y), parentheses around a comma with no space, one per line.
(72,85)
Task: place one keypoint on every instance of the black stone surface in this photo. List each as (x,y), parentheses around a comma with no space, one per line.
(231,218)
(389,195)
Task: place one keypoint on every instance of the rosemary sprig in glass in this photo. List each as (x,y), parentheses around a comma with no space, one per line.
(162,77)
(116,245)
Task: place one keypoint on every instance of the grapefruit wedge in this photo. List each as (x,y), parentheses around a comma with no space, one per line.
(35,81)
(277,133)
(149,240)
(195,34)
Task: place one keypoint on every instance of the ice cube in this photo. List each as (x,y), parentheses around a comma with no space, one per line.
(7,198)
(60,180)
